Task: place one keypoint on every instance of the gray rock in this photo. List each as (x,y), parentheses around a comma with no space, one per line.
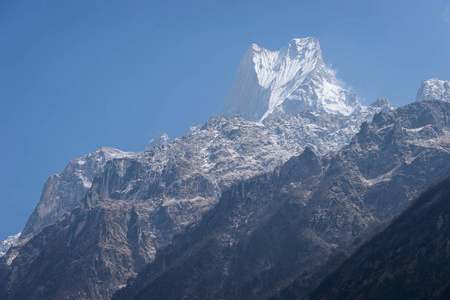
(137,202)
(301,220)
(62,192)
(413,251)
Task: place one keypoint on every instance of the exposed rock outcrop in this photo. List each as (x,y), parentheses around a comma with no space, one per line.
(294,224)
(410,259)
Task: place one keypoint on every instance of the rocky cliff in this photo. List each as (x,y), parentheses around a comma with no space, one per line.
(108,214)
(62,192)
(294,224)
(410,259)
(137,202)
(433,89)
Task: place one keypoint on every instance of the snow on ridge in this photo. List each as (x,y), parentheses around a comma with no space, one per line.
(280,67)
(7,243)
(434,89)
(382,178)
(160,138)
(288,81)
(193,129)
(77,176)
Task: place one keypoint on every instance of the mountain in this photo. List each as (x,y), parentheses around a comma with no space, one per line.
(321,131)
(160,138)
(106,216)
(433,89)
(137,202)
(410,259)
(292,225)
(63,192)
(288,81)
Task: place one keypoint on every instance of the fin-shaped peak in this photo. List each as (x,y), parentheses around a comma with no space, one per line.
(294,48)
(288,81)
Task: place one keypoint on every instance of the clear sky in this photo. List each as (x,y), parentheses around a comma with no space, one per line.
(76,75)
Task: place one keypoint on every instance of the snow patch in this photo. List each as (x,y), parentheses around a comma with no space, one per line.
(7,243)
(382,178)
(160,138)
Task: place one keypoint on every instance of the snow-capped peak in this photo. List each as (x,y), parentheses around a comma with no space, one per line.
(434,89)
(287,81)
(383,104)
(160,138)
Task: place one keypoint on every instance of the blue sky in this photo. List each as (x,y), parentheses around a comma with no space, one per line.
(78,75)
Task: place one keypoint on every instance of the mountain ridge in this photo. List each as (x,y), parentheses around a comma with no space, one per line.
(433,89)
(288,81)
(143,200)
(110,212)
(292,222)
(407,260)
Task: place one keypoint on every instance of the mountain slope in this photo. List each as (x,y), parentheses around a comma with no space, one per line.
(318,129)
(62,192)
(408,260)
(288,81)
(137,202)
(303,218)
(113,221)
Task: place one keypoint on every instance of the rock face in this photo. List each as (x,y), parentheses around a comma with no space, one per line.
(290,134)
(105,217)
(433,89)
(384,105)
(63,192)
(294,79)
(110,211)
(410,259)
(139,201)
(288,81)
(317,129)
(294,224)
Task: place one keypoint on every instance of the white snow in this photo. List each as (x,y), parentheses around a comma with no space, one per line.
(193,129)
(434,89)
(7,243)
(160,138)
(287,81)
(85,172)
(418,129)
(382,178)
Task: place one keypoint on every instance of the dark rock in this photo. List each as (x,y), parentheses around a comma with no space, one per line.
(410,259)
